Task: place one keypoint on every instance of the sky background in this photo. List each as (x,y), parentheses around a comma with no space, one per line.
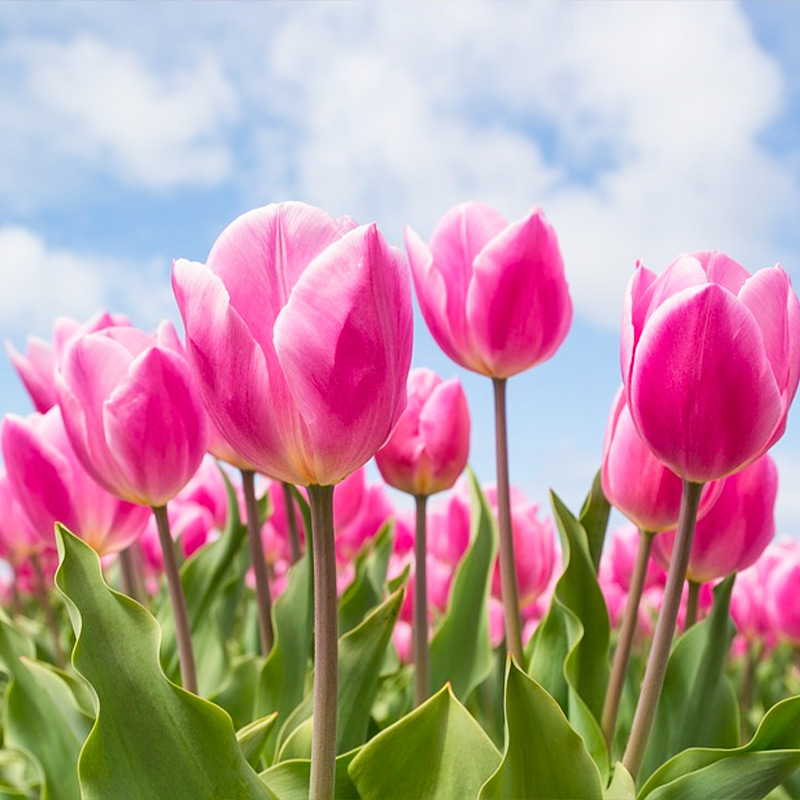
(133,133)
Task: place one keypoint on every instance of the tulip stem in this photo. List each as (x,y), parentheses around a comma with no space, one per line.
(508,571)
(43,595)
(128,578)
(665,629)
(626,633)
(421,679)
(692,601)
(259,561)
(177,600)
(291,523)
(326,645)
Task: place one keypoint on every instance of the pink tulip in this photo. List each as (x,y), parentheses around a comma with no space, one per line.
(449,527)
(785,599)
(736,529)
(207,488)
(534,545)
(497,627)
(37,367)
(430,445)
(402,641)
(18,538)
(751,606)
(52,486)
(299,333)
(493,294)
(359,511)
(191,524)
(134,419)
(636,482)
(710,360)
(275,531)
(622,547)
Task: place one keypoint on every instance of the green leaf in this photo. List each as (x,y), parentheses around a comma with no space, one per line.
(253,738)
(437,752)
(205,576)
(41,716)
(557,766)
(594,519)
(622,786)
(698,706)
(568,653)
(151,738)
(361,653)
(366,590)
(290,780)
(460,650)
(742,773)
(238,694)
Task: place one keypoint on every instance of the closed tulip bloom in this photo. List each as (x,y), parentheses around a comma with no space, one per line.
(622,547)
(18,538)
(37,367)
(52,486)
(646,491)
(784,603)
(299,331)
(710,359)
(429,448)
(132,413)
(736,529)
(493,294)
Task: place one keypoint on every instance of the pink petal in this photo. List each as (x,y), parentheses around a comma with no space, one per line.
(702,393)
(36,370)
(723,270)
(346,368)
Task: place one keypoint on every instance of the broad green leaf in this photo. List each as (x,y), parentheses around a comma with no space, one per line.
(19,775)
(568,654)
(622,786)
(544,758)
(460,650)
(437,752)
(361,653)
(366,590)
(253,738)
(290,780)
(205,576)
(742,773)
(151,738)
(238,694)
(41,716)
(698,706)
(594,519)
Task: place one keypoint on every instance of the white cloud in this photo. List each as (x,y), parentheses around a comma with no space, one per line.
(83,103)
(40,282)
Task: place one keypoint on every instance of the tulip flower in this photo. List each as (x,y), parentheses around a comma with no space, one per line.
(495,299)
(298,331)
(710,359)
(426,453)
(37,367)
(138,427)
(18,537)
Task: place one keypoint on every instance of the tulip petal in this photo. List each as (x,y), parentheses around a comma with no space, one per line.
(634,309)
(702,391)
(517,305)
(231,372)
(723,270)
(346,367)
(158,437)
(36,370)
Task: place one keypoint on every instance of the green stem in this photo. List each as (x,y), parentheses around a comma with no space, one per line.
(508,572)
(421,679)
(291,523)
(177,600)
(626,633)
(127,573)
(326,645)
(692,604)
(665,629)
(259,562)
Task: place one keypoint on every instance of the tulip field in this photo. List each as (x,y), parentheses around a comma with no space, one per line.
(206,596)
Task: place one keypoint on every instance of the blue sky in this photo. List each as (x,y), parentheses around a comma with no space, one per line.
(132,133)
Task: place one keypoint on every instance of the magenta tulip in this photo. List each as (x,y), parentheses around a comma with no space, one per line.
(52,486)
(131,412)
(359,511)
(736,529)
(646,491)
(37,367)
(305,396)
(710,360)
(429,448)
(493,294)
(18,537)
(623,545)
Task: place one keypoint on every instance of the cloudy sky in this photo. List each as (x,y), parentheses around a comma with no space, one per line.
(132,133)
